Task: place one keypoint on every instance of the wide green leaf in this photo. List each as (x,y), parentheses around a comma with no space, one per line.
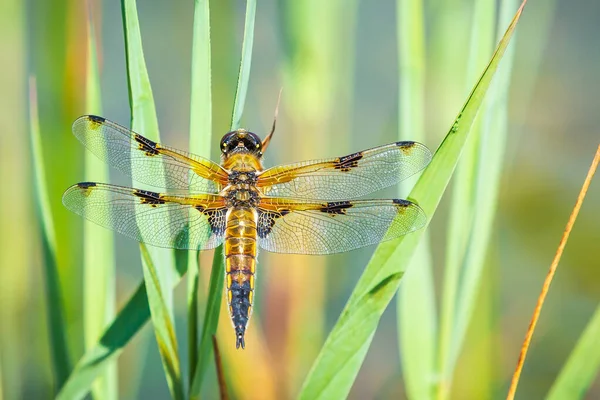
(339,361)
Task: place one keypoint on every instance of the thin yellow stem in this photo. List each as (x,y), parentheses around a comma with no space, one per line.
(546,286)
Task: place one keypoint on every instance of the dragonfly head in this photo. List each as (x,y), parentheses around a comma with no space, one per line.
(241,141)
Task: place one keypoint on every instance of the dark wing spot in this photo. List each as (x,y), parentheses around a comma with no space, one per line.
(216,219)
(146,145)
(336,207)
(346,163)
(266,220)
(406,146)
(96,120)
(403,203)
(86,185)
(147,197)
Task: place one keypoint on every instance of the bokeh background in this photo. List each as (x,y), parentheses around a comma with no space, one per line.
(346,60)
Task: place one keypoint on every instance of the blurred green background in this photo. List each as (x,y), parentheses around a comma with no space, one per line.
(344,55)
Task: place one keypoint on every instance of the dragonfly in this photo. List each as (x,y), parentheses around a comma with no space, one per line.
(309,207)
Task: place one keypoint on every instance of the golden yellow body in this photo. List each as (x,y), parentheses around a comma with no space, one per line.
(240,246)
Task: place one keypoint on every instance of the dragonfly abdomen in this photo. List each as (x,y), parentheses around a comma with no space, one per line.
(240,265)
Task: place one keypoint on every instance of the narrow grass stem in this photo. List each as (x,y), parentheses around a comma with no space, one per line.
(550,275)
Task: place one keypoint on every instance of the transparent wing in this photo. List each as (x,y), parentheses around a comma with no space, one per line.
(295,226)
(146,161)
(347,177)
(180,222)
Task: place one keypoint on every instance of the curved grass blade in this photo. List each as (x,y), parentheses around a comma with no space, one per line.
(200,143)
(98,260)
(130,319)
(416,313)
(336,367)
(158,281)
(548,280)
(61,364)
(581,368)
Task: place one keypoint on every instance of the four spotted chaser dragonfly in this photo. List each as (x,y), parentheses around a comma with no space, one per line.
(302,208)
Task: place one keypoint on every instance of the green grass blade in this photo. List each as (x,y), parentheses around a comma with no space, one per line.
(209,327)
(127,323)
(130,319)
(61,364)
(98,260)
(581,368)
(245,63)
(336,367)
(487,184)
(417,325)
(158,280)
(462,208)
(163,325)
(416,312)
(200,143)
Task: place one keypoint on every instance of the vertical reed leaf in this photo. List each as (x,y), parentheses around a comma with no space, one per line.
(158,280)
(581,368)
(98,255)
(337,365)
(416,297)
(487,183)
(200,143)
(61,364)
(463,194)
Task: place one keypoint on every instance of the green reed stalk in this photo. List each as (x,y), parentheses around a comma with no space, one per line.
(416,312)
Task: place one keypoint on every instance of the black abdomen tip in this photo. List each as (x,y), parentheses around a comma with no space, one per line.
(239,334)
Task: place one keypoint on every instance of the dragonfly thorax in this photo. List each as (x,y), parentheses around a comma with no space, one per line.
(241,196)
(242,178)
